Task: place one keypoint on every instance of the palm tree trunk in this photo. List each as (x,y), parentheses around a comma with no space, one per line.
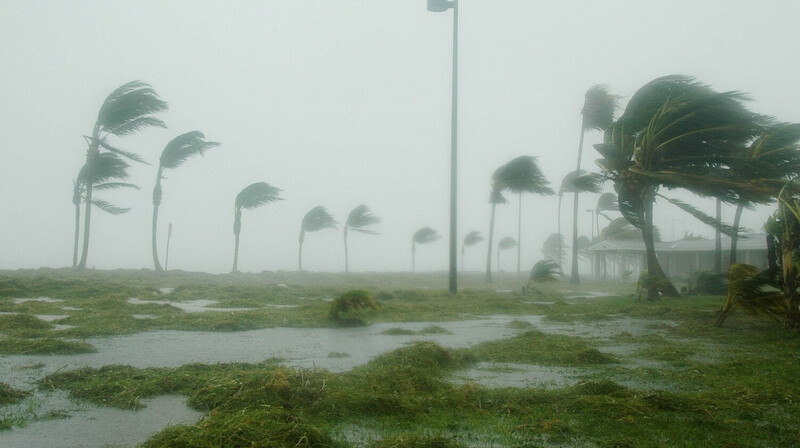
(156,203)
(498,259)
(519,234)
(300,252)
(87,219)
(77,234)
(735,236)
(346,265)
(575,278)
(413,253)
(560,242)
(462,258)
(489,253)
(718,240)
(653,265)
(237,228)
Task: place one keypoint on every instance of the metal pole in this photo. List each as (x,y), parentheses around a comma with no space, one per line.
(453,288)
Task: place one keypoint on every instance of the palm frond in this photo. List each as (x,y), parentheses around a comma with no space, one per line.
(472,238)
(521,175)
(607,201)
(359,217)
(550,247)
(102,168)
(425,235)
(256,195)
(365,231)
(130,155)
(544,271)
(114,186)
(702,217)
(598,108)
(317,219)
(582,182)
(753,290)
(620,229)
(183,147)
(109,207)
(129,108)
(506,243)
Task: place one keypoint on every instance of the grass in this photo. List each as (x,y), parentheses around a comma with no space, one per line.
(43,346)
(9,395)
(682,381)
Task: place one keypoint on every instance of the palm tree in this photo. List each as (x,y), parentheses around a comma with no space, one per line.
(576,182)
(554,246)
(106,173)
(597,113)
(424,235)
(315,220)
(774,154)
(678,133)
(127,110)
(252,196)
(504,244)
(359,218)
(470,239)
(177,151)
(521,174)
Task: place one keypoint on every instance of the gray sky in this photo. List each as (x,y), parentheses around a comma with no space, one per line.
(345,102)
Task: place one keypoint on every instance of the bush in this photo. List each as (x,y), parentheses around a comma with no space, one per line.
(348,308)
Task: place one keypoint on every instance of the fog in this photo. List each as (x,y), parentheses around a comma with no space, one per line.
(343,103)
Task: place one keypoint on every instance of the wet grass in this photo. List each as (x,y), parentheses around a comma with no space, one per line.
(9,395)
(43,346)
(683,382)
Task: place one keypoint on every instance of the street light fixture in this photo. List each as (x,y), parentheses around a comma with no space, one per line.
(442,6)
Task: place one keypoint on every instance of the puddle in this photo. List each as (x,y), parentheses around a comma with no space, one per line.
(192,306)
(496,375)
(144,316)
(588,294)
(87,426)
(38,299)
(63,327)
(51,317)
(71,308)
(165,290)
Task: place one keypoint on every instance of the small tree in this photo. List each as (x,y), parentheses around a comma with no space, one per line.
(348,309)
(315,220)
(253,196)
(424,235)
(504,244)
(357,221)
(471,239)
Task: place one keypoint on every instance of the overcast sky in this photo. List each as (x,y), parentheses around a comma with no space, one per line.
(345,102)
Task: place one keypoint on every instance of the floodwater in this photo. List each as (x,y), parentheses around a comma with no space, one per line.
(335,349)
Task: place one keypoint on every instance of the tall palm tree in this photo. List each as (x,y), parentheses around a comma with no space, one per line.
(597,113)
(253,196)
(107,172)
(127,110)
(521,174)
(315,220)
(504,244)
(359,218)
(177,151)
(471,239)
(678,133)
(553,247)
(424,235)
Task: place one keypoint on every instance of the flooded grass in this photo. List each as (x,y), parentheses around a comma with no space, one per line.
(43,346)
(599,371)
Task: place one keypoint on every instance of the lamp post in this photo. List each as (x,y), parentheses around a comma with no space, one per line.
(442,6)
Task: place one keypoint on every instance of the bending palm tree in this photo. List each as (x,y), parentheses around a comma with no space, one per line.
(315,220)
(424,235)
(576,182)
(553,247)
(106,173)
(254,195)
(495,197)
(471,239)
(678,133)
(127,110)
(358,218)
(597,113)
(177,151)
(506,243)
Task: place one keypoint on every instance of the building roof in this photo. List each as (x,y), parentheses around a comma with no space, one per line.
(753,241)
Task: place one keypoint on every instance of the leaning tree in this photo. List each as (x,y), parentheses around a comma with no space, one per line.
(253,196)
(424,235)
(178,150)
(127,110)
(315,220)
(678,133)
(504,244)
(471,239)
(597,113)
(358,220)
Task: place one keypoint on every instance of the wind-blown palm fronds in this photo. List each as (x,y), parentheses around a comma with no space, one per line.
(544,271)
(106,172)
(504,244)
(315,220)
(578,181)
(178,150)
(754,291)
(424,235)
(359,218)
(678,133)
(554,246)
(471,239)
(253,196)
(127,110)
